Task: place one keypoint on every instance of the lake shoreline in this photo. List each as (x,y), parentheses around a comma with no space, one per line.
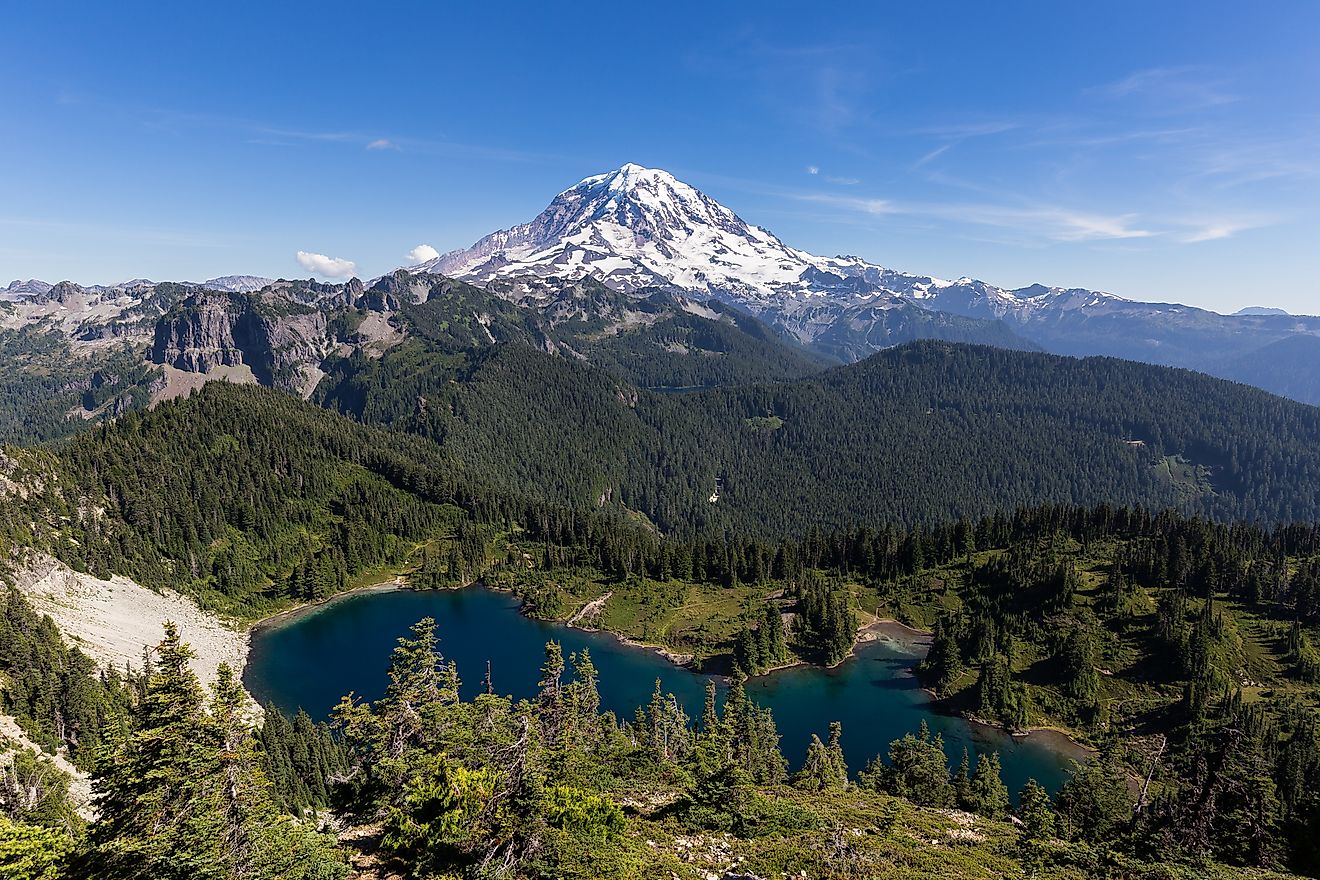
(1055,738)
(297,612)
(888,630)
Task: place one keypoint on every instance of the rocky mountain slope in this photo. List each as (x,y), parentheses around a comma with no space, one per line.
(72,354)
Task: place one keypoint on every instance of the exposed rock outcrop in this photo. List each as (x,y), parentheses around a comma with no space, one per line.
(60,293)
(279,341)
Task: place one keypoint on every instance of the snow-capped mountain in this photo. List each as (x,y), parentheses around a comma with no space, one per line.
(636,227)
(641,227)
(640,232)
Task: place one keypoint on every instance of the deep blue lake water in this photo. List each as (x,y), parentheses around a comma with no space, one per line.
(313,659)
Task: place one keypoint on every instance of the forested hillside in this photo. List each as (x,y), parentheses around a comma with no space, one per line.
(247,498)
(49,391)
(242,497)
(918,434)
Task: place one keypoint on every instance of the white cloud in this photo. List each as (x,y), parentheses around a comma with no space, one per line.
(812,169)
(1211,233)
(932,155)
(382,144)
(1065,225)
(330,267)
(1217,230)
(421,254)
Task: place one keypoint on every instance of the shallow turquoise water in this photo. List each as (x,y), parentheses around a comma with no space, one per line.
(313,660)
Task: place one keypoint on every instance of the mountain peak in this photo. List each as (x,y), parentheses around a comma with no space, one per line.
(634,227)
(627,176)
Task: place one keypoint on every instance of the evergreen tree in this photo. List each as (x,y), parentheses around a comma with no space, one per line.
(183,796)
(1094,804)
(817,772)
(988,795)
(32,852)
(918,770)
(962,783)
(1037,828)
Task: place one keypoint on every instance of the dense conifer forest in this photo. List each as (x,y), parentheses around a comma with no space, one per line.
(918,434)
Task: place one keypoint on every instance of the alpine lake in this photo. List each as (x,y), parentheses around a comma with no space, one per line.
(311,658)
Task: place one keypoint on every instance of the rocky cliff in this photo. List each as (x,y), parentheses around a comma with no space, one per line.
(282,342)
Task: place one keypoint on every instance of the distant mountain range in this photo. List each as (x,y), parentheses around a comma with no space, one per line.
(33,288)
(634,254)
(637,227)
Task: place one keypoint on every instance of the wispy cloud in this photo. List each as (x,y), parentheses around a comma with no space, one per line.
(851,203)
(1230,163)
(958,131)
(953,134)
(1173,89)
(276,132)
(1052,223)
(1219,229)
(931,156)
(1049,222)
(1065,225)
(330,267)
(814,171)
(266,133)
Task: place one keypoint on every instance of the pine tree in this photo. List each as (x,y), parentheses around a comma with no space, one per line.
(1037,829)
(184,797)
(32,852)
(918,770)
(1095,804)
(838,764)
(584,702)
(962,783)
(988,794)
(816,773)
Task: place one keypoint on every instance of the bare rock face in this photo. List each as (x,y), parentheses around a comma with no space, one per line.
(199,335)
(60,293)
(277,340)
(391,291)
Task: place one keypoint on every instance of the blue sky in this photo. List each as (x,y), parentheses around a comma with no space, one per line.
(1161,151)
